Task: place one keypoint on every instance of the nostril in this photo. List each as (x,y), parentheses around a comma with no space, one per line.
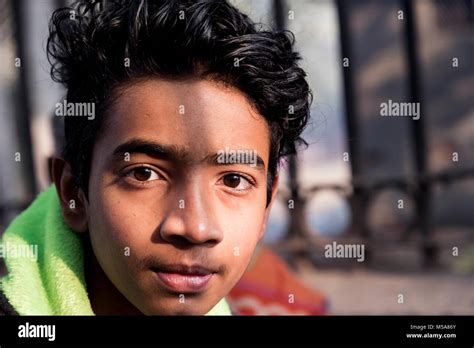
(177,239)
(185,240)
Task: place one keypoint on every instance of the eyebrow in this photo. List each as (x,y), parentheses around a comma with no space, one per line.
(150,148)
(172,153)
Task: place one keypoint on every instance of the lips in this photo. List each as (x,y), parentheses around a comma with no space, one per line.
(184,279)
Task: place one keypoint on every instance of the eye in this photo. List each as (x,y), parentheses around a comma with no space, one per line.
(237,182)
(143,174)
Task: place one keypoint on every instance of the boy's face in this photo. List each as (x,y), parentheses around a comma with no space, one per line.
(172,228)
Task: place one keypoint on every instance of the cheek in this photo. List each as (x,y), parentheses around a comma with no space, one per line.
(241,219)
(243,228)
(240,241)
(242,231)
(117,223)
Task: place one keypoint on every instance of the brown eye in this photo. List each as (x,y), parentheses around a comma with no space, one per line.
(144,174)
(232,180)
(237,182)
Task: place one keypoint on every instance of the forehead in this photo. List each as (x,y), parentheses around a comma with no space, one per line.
(202,116)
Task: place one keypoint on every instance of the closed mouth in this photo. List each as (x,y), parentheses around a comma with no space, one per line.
(184,278)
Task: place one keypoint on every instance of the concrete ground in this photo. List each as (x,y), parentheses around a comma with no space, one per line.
(370,292)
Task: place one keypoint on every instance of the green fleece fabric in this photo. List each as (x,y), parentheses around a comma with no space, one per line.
(53,282)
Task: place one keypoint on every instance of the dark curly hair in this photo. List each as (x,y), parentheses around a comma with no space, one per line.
(90,41)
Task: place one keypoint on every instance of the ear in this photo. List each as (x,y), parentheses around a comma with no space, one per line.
(72,199)
(268,209)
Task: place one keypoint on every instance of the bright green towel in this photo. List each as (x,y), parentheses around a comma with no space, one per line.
(52,284)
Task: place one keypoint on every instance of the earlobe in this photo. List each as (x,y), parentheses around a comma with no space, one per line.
(72,199)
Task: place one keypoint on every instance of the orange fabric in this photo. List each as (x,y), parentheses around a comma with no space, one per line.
(269,287)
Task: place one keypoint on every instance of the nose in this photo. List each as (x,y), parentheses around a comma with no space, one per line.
(190,219)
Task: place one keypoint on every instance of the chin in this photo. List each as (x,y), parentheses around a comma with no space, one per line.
(191,308)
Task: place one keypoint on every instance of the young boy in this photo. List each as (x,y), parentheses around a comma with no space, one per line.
(176,117)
